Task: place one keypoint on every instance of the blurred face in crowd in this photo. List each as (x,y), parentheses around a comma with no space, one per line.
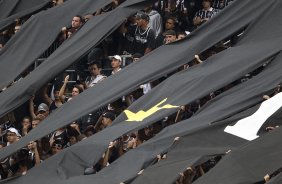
(169,24)
(94,70)
(106,121)
(26,122)
(72,140)
(74,92)
(115,63)
(180,36)
(35,123)
(11,137)
(56,95)
(206,4)
(56,148)
(170,38)
(76,22)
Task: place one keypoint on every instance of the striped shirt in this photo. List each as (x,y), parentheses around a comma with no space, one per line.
(220,4)
(206,14)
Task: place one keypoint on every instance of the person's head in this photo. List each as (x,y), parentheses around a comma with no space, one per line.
(35,122)
(76,90)
(142,19)
(43,109)
(170,36)
(77,21)
(57,146)
(136,56)
(116,62)
(26,121)
(170,23)
(108,118)
(56,94)
(95,68)
(89,131)
(181,36)
(12,135)
(206,4)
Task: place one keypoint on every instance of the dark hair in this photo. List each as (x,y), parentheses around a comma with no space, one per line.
(98,64)
(81,18)
(78,87)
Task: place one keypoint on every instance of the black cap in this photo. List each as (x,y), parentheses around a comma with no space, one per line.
(109,115)
(137,55)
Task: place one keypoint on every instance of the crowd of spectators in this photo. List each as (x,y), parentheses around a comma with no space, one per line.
(163,22)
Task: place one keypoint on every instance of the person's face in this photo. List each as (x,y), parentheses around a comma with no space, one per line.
(140,22)
(26,122)
(106,121)
(35,123)
(169,24)
(76,22)
(115,63)
(206,4)
(94,70)
(56,148)
(181,36)
(56,95)
(74,92)
(11,137)
(88,133)
(72,140)
(170,38)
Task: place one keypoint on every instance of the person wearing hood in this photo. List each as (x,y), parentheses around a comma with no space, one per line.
(155,22)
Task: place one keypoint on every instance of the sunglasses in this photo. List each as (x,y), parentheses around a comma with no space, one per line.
(58,146)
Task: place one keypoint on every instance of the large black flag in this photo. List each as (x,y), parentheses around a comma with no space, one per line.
(10,10)
(71,162)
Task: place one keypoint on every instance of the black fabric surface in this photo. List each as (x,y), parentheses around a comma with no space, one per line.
(14,9)
(259,44)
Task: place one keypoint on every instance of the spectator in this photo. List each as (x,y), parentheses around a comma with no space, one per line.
(116,64)
(144,36)
(204,14)
(13,135)
(52,104)
(170,36)
(75,91)
(155,20)
(220,4)
(26,126)
(77,22)
(42,110)
(96,76)
(181,35)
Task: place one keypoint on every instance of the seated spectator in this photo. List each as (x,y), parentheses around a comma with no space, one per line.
(170,36)
(13,136)
(204,14)
(96,76)
(181,35)
(116,64)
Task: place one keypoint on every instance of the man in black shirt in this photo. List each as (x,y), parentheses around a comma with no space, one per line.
(144,36)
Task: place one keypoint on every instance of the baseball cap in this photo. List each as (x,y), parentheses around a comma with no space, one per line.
(43,107)
(117,57)
(109,115)
(13,130)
